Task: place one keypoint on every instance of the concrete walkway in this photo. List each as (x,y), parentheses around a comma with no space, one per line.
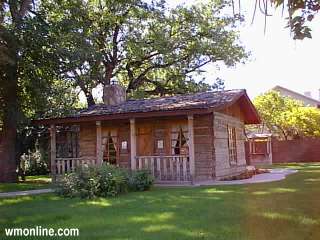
(274,175)
(25,193)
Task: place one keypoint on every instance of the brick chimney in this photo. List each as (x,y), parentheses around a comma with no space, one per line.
(114,94)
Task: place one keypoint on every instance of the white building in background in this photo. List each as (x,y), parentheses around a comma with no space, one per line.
(305,98)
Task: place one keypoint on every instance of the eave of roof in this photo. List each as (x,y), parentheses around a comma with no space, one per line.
(119,116)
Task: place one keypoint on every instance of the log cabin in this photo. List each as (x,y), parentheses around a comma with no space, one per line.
(180,139)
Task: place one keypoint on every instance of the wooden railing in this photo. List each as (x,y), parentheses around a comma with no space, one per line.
(166,168)
(67,165)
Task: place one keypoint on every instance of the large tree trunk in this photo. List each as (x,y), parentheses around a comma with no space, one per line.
(87,92)
(90,99)
(8,158)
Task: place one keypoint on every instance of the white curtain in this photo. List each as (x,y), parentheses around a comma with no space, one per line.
(174,136)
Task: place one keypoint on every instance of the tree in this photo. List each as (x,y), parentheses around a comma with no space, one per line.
(151,50)
(48,48)
(12,17)
(305,121)
(286,117)
(300,13)
(31,85)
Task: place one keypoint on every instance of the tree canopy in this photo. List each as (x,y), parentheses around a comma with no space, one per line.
(300,14)
(148,48)
(286,117)
(30,83)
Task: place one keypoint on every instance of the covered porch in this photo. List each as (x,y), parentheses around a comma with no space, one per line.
(164,146)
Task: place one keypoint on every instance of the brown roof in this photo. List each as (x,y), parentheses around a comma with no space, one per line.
(174,105)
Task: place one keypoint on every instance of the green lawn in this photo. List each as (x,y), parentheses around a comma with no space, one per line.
(32,182)
(285,210)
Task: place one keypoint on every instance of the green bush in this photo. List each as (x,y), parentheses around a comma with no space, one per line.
(82,183)
(112,180)
(103,181)
(87,182)
(68,186)
(141,180)
(32,164)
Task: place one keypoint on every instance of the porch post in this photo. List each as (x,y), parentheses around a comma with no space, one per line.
(53,150)
(133,145)
(191,146)
(99,144)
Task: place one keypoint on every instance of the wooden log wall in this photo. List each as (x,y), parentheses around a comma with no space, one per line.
(204,147)
(124,136)
(151,130)
(87,140)
(223,167)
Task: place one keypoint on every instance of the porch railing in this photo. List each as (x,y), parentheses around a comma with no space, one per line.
(174,168)
(67,165)
(164,168)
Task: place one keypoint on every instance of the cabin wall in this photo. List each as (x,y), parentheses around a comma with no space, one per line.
(124,154)
(204,147)
(222,165)
(235,111)
(151,130)
(87,141)
(122,132)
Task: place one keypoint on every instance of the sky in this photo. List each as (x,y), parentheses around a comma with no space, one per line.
(275,59)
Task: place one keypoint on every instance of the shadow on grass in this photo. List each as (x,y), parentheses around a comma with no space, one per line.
(288,209)
(31,182)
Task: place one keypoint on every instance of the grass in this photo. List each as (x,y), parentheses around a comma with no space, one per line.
(284,210)
(32,182)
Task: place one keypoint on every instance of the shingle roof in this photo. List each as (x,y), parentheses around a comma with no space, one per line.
(201,100)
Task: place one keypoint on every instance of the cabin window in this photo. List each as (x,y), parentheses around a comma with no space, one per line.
(124,145)
(232,145)
(160,144)
(110,144)
(68,142)
(179,141)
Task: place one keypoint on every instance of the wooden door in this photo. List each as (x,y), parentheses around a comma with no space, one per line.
(145,140)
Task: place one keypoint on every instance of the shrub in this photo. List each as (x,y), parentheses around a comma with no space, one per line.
(140,180)
(87,182)
(68,186)
(103,181)
(33,164)
(82,183)
(112,180)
